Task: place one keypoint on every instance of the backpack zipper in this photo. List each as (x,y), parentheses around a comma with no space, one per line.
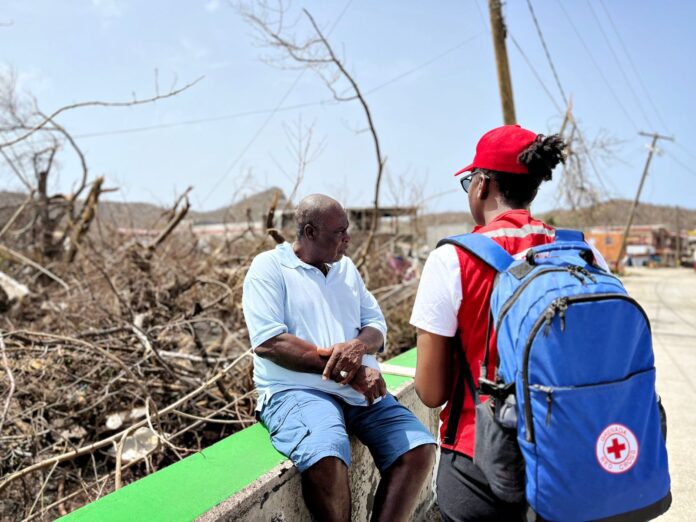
(579,272)
(544,319)
(549,400)
(516,294)
(559,305)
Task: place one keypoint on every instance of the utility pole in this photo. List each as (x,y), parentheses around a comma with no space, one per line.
(499,33)
(655,136)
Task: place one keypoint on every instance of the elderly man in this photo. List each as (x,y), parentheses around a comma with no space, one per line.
(314,329)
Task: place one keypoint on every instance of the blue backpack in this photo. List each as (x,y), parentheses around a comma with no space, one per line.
(575,388)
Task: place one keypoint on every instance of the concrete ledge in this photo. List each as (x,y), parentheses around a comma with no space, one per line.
(277,496)
(243,477)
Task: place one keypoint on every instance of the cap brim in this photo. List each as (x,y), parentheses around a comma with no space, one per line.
(468,168)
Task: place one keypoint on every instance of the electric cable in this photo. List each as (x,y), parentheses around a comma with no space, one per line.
(535,72)
(546,51)
(596,65)
(621,69)
(633,66)
(261,128)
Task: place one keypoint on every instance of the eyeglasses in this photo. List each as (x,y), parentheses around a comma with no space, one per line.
(466,180)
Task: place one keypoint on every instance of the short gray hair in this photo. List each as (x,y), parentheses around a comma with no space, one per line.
(311,210)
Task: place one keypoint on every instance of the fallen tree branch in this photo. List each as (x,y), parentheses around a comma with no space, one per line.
(8,253)
(109,440)
(172,223)
(81,227)
(10,392)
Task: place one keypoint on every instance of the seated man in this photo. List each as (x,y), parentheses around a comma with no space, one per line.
(314,329)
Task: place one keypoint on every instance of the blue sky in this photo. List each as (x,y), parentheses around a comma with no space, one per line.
(428,120)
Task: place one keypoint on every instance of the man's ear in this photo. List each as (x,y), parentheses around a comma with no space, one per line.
(310,232)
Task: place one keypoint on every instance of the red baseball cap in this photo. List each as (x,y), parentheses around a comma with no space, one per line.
(499,148)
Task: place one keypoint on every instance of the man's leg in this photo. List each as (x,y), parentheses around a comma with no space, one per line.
(402,483)
(404,452)
(308,427)
(326,490)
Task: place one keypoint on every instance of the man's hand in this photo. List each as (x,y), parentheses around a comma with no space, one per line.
(370,383)
(345,359)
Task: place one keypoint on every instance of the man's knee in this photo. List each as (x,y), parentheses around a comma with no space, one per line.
(420,459)
(327,466)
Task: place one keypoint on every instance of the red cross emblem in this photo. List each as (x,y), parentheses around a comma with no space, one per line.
(617,449)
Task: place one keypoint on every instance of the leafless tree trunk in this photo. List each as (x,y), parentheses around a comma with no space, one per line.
(317,53)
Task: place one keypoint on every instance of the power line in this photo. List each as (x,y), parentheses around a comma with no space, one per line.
(581,136)
(480,12)
(237,115)
(618,63)
(688,169)
(422,65)
(596,65)
(693,156)
(633,66)
(197,121)
(546,51)
(535,72)
(270,116)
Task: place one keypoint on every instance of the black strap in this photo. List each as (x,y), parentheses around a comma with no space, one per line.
(486,356)
(465,378)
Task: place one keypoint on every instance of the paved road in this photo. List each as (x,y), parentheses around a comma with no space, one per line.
(669,297)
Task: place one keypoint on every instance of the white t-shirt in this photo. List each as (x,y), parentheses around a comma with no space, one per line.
(439,294)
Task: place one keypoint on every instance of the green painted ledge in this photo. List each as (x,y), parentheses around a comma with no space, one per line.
(192,486)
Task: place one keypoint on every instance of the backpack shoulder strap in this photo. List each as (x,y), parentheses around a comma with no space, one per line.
(566,234)
(482,247)
(496,257)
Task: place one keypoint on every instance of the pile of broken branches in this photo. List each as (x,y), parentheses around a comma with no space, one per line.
(125,360)
(130,355)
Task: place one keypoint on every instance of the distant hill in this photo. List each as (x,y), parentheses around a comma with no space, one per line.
(147,215)
(257,204)
(615,212)
(612,212)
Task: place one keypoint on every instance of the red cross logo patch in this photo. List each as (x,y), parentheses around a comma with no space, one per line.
(617,449)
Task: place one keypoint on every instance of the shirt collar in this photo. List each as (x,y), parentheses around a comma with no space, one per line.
(287,256)
(518,214)
(289,259)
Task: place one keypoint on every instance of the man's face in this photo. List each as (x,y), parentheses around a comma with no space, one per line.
(331,236)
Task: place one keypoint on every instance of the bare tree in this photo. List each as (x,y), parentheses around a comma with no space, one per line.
(31,142)
(577,189)
(316,53)
(303,151)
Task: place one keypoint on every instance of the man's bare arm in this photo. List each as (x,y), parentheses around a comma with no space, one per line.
(372,338)
(346,357)
(293,353)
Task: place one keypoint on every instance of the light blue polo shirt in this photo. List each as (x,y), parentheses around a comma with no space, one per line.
(284,294)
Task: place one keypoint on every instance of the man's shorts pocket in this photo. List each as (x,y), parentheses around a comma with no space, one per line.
(285,424)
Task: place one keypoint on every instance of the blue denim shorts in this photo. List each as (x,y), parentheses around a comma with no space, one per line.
(309,425)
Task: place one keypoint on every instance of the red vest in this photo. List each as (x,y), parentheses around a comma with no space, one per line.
(516,231)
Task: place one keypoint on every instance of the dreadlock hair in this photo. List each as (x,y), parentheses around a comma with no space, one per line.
(540,158)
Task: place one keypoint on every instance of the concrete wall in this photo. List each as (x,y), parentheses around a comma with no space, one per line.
(277,495)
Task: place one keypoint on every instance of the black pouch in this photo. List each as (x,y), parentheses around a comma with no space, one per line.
(497,452)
